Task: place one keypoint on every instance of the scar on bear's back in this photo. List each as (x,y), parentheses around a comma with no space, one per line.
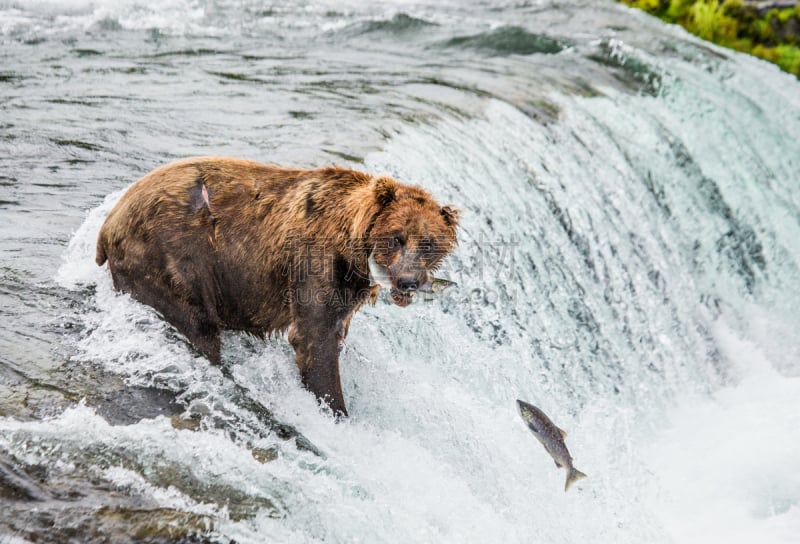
(200,196)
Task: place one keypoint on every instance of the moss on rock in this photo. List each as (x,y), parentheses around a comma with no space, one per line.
(769,30)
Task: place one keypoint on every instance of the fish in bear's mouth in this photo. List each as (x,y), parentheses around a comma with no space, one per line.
(400,298)
(379,275)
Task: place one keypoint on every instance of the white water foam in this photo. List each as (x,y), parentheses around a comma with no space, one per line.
(47,17)
(728,467)
(43,18)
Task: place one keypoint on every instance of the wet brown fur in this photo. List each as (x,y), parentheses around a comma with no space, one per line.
(219,243)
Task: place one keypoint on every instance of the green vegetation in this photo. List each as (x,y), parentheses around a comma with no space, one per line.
(771,32)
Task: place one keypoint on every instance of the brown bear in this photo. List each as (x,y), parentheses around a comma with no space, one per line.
(221,243)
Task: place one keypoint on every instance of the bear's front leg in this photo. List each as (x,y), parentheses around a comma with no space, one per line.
(315,336)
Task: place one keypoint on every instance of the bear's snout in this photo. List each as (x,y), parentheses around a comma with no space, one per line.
(406,284)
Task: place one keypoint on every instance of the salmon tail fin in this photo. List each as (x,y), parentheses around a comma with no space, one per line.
(573,476)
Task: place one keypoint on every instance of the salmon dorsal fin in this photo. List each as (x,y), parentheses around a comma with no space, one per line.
(562,432)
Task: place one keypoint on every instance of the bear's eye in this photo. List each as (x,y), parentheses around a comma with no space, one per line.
(396,242)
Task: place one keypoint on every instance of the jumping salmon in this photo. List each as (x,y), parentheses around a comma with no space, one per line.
(552,438)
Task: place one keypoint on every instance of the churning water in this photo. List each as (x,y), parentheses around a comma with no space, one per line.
(628,262)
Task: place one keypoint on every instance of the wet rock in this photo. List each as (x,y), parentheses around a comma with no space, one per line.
(264,455)
(133,404)
(153,525)
(17,485)
(128,524)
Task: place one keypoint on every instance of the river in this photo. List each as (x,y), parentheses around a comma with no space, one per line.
(629,262)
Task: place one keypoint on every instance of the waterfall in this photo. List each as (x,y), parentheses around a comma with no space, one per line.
(628,262)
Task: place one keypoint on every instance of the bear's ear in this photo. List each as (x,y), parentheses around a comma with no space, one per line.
(385,190)
(450,215)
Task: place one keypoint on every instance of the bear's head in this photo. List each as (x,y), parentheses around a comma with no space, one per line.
(410,237)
